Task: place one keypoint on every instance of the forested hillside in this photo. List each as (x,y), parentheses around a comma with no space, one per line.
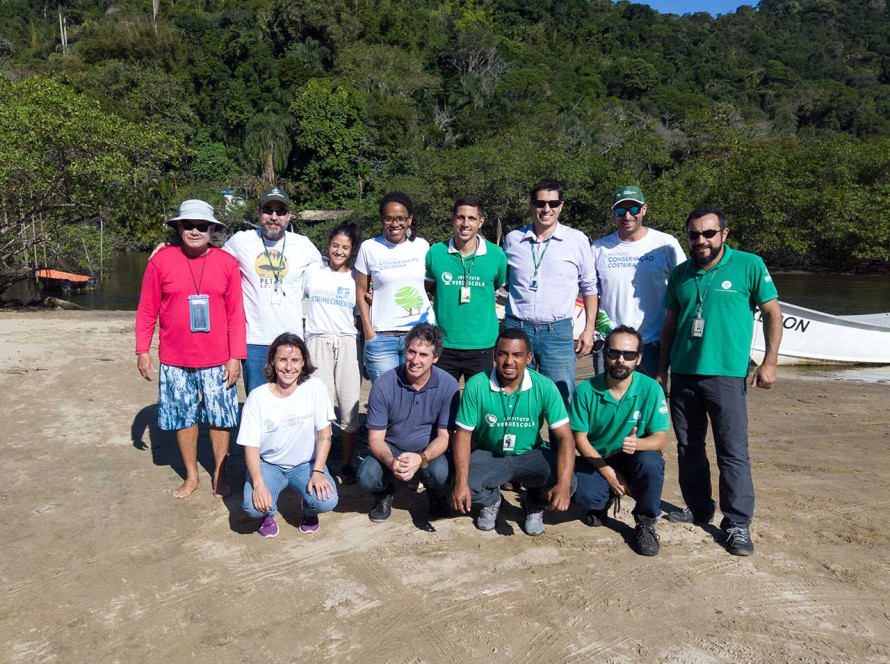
(780,114)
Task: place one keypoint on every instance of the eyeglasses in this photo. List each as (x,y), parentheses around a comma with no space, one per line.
(396,220)
(190,225)
(629,355)
(694,235)
(542,204)
(281,212)
(633,209)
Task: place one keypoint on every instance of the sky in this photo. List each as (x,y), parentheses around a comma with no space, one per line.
(691,6)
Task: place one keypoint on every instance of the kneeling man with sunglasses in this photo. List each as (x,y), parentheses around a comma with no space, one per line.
(706,342)
(620,421)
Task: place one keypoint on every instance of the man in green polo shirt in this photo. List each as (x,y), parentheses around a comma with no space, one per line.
(463,274)
(620,419)
(706,342)
(500,418)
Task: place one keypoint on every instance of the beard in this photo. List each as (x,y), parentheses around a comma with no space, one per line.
(273,235)
(704,259)
(620,371)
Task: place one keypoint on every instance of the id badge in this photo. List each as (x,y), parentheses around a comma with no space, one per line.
(464,294)
(509,442)
(533,284)
(199,313)
(277,294)
(698,327)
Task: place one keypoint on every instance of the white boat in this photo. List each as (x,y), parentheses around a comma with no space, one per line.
(815,337)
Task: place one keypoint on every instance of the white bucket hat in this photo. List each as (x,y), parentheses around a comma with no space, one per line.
(195,210)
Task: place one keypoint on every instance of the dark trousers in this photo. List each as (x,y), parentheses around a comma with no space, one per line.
(466,362)
(723,400)
(536,469)
(644,472)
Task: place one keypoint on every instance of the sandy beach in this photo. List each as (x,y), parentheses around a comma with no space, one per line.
(101,564)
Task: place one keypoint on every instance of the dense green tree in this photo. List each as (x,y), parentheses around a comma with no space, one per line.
(64,162)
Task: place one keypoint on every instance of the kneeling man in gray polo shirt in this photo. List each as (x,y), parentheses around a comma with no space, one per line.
(411,411)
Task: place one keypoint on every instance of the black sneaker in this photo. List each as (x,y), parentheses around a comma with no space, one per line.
(595,518)
(348,474)
(382,509)
(645,537)
(738,541)
(686,515)
(439,508)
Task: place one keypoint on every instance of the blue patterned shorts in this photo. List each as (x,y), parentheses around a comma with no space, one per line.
(188,396)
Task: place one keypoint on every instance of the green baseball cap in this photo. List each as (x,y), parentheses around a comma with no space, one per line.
(628,193)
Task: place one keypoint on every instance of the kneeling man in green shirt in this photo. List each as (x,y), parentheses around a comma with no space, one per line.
(500,418)
(620,419)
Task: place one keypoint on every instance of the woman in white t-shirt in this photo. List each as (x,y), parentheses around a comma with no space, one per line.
(286,434)
(331,333)
(395,263)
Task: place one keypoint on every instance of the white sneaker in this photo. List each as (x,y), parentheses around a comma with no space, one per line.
(488,516)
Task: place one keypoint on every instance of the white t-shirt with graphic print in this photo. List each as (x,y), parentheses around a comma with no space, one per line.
(397,272)
(286,428)
(633,278)
(270,313)
(330,301)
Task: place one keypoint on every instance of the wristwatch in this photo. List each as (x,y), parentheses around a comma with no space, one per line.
(424,462)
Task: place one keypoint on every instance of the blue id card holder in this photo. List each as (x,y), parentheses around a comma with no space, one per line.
(199,313)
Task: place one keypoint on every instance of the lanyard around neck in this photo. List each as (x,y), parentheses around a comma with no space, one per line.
(276,271)
(192,274)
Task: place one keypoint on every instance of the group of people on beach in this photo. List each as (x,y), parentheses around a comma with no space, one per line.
(419,319)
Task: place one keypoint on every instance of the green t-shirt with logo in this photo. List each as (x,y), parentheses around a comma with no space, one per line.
(491,414)
(473,324)
(607,422)
(728,294)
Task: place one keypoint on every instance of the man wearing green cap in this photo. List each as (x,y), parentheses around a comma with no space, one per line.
(633,265)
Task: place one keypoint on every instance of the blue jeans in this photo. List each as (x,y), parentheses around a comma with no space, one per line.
(277,479)
(536,469)
(382,353)
(644,472)
(723,400)
(553,351)
(377,480)
(252,367)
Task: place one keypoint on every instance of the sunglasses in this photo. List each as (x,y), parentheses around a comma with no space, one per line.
(629,355)
(542,204)
(621,211)
(280,211)
(694,235)
(190,225)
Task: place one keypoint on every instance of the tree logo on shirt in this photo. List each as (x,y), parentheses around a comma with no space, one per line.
(726,285)
(409,299)
(491,419)
(637,414)
(267,266)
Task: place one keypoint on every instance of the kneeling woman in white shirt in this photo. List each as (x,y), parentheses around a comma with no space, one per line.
(286,434)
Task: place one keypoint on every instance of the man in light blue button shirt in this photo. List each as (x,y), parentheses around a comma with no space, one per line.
(548,263)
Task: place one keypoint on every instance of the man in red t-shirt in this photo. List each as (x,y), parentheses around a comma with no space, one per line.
(194,290)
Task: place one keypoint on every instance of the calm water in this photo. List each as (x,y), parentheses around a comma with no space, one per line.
(840,294)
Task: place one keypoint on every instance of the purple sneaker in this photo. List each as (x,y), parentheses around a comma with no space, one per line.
(268,528)
(309,524)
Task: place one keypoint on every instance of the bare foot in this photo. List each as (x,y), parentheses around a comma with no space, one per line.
(220,484)
(222,490)
(188,488)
